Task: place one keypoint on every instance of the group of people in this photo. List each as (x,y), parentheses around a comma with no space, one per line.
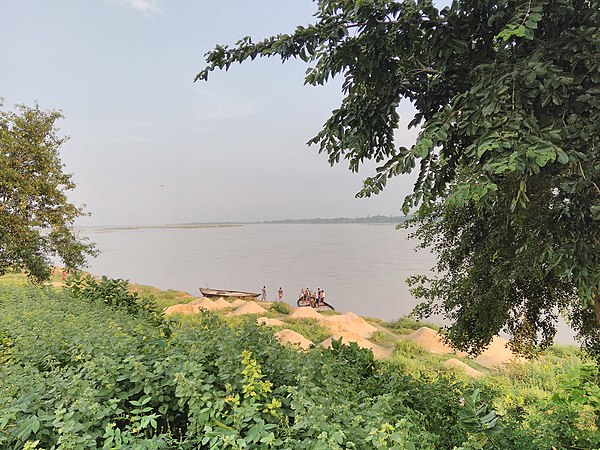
(264,294)
(314,298)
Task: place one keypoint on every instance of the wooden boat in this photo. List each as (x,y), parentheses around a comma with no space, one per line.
(322,306)
(215,293)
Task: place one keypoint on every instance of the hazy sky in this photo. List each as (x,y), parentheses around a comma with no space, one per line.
(149,146)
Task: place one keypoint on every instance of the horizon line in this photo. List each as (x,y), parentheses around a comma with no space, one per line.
(389,218)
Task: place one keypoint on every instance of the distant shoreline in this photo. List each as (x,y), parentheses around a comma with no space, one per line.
(370,220)
(161,227)
(342,220)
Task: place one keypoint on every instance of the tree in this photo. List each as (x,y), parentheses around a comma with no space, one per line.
(35,214)
(507,98)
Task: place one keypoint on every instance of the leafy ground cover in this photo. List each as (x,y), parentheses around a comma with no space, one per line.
(78,371)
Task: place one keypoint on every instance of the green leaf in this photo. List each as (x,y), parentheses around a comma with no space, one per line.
(488,109)
(562,157)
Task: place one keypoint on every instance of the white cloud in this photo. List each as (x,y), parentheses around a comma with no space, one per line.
(146,6)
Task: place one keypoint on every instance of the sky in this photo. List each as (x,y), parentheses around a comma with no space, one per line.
(148,146)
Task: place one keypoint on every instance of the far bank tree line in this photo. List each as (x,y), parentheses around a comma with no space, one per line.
(379,219)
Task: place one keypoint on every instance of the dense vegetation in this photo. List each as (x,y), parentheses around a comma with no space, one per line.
(87,369)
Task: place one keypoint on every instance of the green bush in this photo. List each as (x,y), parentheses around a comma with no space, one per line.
(115,293)
(406,325)
(309,328)
(281,308)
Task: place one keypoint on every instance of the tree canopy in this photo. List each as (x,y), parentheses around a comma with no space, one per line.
(507,98)
(35,214)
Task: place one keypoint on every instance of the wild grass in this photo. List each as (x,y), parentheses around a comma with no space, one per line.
(309,328)
(163,298)
(384,339)
(281,308)
(406,325)
(13,279)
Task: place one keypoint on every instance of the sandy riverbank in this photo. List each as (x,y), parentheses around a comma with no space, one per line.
(348,327)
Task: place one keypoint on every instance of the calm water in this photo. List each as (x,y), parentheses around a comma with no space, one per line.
(361,267)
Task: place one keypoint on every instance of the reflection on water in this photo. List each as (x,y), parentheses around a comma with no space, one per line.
(361,267)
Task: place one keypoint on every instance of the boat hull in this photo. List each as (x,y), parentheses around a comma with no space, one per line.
(323,306)
(225,293)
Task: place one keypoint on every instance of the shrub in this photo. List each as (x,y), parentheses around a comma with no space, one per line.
(406,325)
(281,308)
(309,328)
(115,293)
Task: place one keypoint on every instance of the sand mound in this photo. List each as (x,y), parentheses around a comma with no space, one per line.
(453,362)
(236,303)
(348,322)
(184,308)
(197,301)
(305,312)
(249,308)
(496,354)
(430,340)
(208,305)
(269,322)
(221,303)
(348,337)
(204,303)
(290,337)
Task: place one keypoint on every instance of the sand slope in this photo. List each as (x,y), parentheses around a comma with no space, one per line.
(184,308)
(249,308)
(348,322)
(290,337)
(269,322)
(208,305)
(221,303)
(197,301)
(496,354)
(348,337)
(453,362)
(205,303)
(305,312)
(430,340)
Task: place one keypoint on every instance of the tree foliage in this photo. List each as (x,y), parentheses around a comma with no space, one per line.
(35,214)
(507,97)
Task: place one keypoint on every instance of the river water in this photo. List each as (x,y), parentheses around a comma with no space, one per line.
(361,267)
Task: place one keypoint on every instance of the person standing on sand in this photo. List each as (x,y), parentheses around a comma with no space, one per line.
(280,294)
(264,294)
